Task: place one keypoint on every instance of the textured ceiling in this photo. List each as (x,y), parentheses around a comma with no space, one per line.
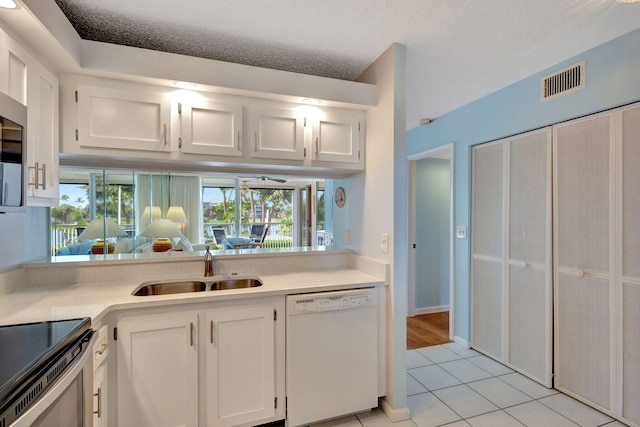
(457,50)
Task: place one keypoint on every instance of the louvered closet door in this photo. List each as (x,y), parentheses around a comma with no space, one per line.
(529,268)
(487,249)
(630,259)
(583,279)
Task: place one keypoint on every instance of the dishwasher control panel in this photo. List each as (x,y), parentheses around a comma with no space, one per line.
(332,301)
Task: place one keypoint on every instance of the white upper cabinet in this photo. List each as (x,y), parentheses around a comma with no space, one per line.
(15,68)
(27,81)
(114,119)
(43,138)
(123,119)
(276,134)
(337,138)
(210,127)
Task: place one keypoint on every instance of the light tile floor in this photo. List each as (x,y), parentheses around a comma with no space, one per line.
(448,385)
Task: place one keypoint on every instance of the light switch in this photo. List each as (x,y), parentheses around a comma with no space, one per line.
(461,232)
(384,245)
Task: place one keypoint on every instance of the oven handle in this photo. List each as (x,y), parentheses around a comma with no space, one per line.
(81,362)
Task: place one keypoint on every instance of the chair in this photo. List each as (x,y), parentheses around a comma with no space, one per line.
(250,243)
(263,234)
(219,235)
(256,231)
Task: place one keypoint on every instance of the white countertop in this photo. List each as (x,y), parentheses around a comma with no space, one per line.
(96,299)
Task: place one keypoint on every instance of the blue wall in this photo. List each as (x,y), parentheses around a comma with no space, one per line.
(612,79)
(432,232)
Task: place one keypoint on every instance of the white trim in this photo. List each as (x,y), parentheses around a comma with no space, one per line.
(433,309)
(461,341)
(411,309)
(394,415)
(411,273)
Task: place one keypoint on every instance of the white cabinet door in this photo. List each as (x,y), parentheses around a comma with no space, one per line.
(43,137)
(123,119)
(511,241)
(100,396)
(337,138)
(276,134)
(158,370)
(240,360)
(528,275)
(487,293)
(583,279)
(629,218)
(15,63)
(211,128)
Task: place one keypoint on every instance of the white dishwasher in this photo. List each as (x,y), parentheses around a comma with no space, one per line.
(332,354)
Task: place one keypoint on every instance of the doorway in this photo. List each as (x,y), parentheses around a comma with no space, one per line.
(430,292)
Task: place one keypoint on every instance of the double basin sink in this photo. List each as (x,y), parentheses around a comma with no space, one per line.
(208,284)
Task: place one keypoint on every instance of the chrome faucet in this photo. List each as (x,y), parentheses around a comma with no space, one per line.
(208,263)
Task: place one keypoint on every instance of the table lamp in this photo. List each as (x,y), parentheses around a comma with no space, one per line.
(177,215)
(101,229)
(149,214)
(162,229)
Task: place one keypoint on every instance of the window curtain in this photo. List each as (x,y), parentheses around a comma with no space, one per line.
(186,191)
(151,192)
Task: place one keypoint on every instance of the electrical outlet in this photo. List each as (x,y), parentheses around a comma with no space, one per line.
(385,243)
(347,236)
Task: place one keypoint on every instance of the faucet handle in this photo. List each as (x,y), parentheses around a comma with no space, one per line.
(207,248)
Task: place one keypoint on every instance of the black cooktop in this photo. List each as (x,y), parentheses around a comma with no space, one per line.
(24,348)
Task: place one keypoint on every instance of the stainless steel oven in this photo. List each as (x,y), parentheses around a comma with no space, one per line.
(46,374)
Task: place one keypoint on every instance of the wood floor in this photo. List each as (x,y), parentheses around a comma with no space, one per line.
(427,329)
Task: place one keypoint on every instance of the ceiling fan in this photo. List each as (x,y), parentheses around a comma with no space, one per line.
(244,186)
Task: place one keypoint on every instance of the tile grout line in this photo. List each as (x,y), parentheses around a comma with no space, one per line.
(498,376)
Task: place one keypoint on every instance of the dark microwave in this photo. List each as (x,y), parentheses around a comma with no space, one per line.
(13,153)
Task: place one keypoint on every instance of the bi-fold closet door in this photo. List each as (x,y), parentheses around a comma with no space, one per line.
(597,259)
(511,253)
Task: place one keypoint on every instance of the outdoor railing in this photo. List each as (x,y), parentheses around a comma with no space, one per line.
(279,235)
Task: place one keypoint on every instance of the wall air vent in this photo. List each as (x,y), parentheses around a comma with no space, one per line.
(562,82)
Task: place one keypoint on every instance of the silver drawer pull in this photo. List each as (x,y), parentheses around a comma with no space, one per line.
(102,349)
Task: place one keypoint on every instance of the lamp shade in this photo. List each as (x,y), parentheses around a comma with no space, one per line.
(149,214)
(162,227)
(100,229)
(177,215)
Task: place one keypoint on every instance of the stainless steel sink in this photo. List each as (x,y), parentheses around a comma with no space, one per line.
(235,283)
(166,288)
(183,286)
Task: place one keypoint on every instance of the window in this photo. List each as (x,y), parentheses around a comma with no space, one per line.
(205,209)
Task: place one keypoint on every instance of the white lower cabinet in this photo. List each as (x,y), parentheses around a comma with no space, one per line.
(240,361)
(223,362)
(158,370)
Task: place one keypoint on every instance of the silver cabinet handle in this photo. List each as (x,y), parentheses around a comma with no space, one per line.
(98,411)
(239,140)
(212,333)
(36,176)
(164,134)
(191,334)
(255,142)
(317,147)
(180,142)
(102,349)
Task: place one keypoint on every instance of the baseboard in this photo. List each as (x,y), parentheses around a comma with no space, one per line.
(434,309)
(461,341)
(394,415)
